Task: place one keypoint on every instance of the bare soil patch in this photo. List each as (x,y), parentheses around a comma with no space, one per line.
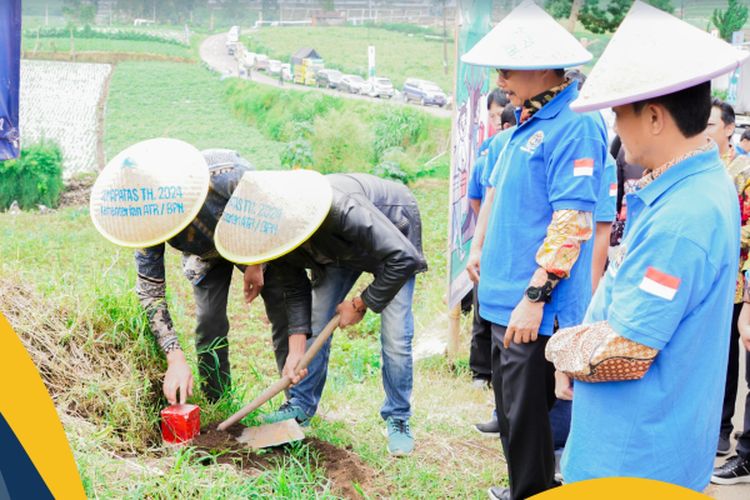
(342,466)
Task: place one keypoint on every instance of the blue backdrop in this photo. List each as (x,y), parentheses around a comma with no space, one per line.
(10,67)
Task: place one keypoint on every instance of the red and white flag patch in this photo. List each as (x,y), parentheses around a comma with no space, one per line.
(583,166)
(613,189)
(660,284)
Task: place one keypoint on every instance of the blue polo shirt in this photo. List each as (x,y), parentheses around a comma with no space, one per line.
(606,203)
(476,188)
(552,161)
(671,288)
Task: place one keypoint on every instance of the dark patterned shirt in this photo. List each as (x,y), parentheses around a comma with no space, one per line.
(196,242)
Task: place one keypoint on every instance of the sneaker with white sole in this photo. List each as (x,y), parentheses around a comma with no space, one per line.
(287,411)
(735,470)
(497,493)
(400,440)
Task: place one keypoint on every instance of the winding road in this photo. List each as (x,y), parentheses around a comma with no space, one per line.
(213,52)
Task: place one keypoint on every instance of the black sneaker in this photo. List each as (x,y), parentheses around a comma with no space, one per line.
(496,493)
(735,470)
(724,446)
(491,428)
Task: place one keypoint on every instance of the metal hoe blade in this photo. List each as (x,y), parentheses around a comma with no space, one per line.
(276,434)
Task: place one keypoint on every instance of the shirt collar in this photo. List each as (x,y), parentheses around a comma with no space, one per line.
(549,103)
(701,162)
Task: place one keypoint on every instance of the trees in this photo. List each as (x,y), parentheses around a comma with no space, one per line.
(596,18)
(730,20)
(79,12)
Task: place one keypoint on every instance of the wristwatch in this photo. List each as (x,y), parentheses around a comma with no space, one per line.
(542,293)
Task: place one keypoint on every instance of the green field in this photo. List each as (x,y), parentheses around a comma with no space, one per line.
(80,309)
(30,44)
(398,56)
(184,101)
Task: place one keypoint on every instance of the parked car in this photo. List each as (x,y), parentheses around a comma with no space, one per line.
(286,71)
(379,87)
(233,38)
(352,84)
(424,92)
(274,66)
(261,62)
(329,78)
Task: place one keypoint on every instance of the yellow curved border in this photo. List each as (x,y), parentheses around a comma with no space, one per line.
(283,250)
(620,488)
(28,409)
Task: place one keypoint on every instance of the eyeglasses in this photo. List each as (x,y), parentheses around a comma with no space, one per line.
(504,73)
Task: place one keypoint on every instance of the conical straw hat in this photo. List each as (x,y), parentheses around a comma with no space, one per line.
(652,54)
(149,192)
(271,213)
(528,38)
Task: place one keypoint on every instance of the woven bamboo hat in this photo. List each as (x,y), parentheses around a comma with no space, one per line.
(271,213)
(652,54)
(526,39)
(149,192)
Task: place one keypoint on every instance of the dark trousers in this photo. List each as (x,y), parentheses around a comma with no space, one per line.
(480,353)
(730,391)
(733,368)
(523,382)
(212,328)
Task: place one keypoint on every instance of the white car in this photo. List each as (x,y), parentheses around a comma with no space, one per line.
(261,62)
(274,66)
(286,71)
(379,87)
(352,84)
(233,38)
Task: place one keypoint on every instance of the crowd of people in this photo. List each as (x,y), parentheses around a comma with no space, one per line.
(611,289)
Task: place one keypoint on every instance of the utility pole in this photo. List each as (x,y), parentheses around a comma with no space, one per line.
(445,41)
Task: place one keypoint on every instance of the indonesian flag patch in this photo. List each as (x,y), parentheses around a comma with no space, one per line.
(583,166)
(613,189)
(660,284)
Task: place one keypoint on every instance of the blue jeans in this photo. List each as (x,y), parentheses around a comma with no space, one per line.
(396,333)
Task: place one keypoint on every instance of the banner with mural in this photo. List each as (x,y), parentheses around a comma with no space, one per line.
(469,129)
(10,65)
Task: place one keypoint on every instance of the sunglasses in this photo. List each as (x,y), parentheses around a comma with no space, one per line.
(504,73)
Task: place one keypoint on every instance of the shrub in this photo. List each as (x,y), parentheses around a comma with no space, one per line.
(33,179)
(397,127)
(298,154)
(342,142)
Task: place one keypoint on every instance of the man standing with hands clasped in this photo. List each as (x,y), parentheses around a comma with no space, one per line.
(530,242)
(650,361)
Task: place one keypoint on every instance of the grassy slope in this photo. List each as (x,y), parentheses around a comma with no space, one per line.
(72,268)
(149,99)
(29,42)
(398,56)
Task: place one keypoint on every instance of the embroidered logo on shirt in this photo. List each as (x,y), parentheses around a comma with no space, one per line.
(660,284)
(613,189)
(583,167)
(534,142)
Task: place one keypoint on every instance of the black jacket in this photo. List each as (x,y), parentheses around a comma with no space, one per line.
(373,226)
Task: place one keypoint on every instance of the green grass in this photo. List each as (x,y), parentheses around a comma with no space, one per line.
(83,287)
(398,56)
(184,101)
(30,44)
(73,269)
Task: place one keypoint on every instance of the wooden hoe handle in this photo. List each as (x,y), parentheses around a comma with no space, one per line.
(285,381)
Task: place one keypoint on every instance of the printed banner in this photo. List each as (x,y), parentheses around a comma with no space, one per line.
(10,76)
(468,131)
